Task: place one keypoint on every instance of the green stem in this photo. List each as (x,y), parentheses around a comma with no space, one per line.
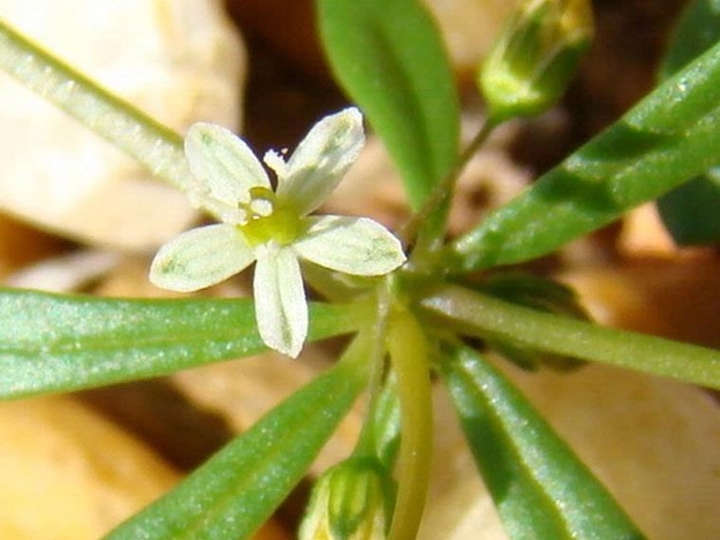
(667,138)
(428,224)
(409,355)
(367,443)
(152,144)
(476,314)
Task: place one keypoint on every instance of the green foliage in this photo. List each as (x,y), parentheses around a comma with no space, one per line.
(690,211)
(231,495)
(541,489)
(148,141)
(697,30)
(472,313)
(388,56)
(535,293)
(385,429)
(51,343)
(668,137)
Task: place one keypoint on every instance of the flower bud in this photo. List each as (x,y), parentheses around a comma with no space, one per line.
(350,501)
(536,56)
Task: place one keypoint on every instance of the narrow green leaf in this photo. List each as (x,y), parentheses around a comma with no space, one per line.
(51,343)
(691,212)
(697,30)
(475,314)
(152,144)
(230,496)
(541,489)
(385,424)
(669,137)
(389,57)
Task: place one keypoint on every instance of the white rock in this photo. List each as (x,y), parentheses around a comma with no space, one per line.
(68,473)
(178,60)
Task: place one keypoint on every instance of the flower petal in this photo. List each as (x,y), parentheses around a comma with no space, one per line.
(280,305)
(200,257)
(358,246)
(224,165)
(321,159)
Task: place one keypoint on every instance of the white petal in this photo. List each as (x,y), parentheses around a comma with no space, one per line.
(200,257)
(321,159)
(280,305)
(224,165)
(224,212)
(358,246)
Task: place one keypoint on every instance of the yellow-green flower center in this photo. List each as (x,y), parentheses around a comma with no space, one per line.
(267,220)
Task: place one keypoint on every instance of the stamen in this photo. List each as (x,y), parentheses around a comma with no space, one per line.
(261,207)
(265,220)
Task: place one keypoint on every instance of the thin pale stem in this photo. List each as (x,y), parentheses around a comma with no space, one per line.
(409,356)
(366,442)
(152,144)
(428,223)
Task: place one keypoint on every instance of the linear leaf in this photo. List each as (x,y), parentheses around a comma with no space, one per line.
(669,137)
(51,343)
(388,56)
(691,212)
(480,315)
(541,489)
(697,30)
(230,496)
(152,144)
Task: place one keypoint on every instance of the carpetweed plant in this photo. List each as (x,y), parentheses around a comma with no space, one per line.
(407,303)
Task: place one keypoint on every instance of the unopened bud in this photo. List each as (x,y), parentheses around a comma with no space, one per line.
(351,501)
(536,56)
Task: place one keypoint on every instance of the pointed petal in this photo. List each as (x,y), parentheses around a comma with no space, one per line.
(224,165)
(200,258)
(280,305)
(321,159)
(358,246)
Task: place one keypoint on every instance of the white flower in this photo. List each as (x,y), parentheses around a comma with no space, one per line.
(273,227)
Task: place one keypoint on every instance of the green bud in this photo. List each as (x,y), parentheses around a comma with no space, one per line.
(536,56)
(351,501)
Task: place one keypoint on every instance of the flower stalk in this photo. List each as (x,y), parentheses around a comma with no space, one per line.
(409,354)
